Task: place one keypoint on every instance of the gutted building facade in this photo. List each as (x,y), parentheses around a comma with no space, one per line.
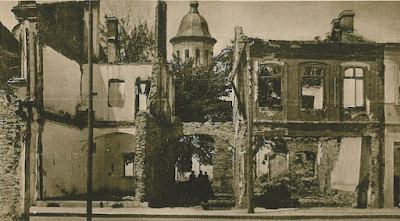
(134,128)
(323,119)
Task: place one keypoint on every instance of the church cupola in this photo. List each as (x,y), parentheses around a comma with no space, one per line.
(193,39)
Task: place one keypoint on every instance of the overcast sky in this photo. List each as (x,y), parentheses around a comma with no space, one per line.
(289,20)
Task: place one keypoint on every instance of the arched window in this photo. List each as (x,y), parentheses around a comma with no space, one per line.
(186,54)
(206,57)
(197,56)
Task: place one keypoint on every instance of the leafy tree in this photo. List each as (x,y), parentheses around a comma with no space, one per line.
(200,90)
(136,38)
(9,57)
(200,146)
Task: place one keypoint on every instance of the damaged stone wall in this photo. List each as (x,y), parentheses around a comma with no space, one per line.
(12,132)
(139,161)
(222,168)
(312,161)
(223,134)
(155,159)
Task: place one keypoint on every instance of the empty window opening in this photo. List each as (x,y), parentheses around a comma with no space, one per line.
(353,88)
(186,54)
(129,164)
(312,93)
(197,57)
(206,57)
(178,54)
(116,93)
(304,163)
(270,86)
(27,54)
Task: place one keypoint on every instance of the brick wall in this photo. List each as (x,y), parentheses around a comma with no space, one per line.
(11,135)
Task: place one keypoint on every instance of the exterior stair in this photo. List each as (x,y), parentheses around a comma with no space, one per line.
(220,201)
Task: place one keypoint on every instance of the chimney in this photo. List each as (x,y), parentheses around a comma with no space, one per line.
(161,29)
(25,10)
(346,20)
(112,39)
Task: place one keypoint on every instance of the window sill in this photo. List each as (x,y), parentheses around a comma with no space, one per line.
(17,82)
(272,107)
(354,110)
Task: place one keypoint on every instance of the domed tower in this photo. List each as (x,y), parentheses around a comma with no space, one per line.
(193,38)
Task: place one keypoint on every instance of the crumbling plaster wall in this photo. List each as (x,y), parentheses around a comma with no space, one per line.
(12,132)
(64,160)
(60,75)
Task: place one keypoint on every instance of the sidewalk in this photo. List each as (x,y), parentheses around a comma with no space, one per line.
(198,212)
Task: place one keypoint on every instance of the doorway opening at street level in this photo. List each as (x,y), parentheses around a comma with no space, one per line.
(194,170)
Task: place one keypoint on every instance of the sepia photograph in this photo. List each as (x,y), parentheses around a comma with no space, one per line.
(199,110)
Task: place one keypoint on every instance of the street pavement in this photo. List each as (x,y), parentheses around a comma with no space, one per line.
(197,213)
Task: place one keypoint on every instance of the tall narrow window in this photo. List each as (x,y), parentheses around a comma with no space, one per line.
(116,93)
(353,88)
(197,57)
(129,164)
(206,57)
(178,54)
(27,54)
(186,54)
(312,87)
(270,85)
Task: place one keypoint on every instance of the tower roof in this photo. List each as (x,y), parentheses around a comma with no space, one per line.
(193,27)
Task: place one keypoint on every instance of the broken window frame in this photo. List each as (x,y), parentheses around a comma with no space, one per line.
(310,156)
(264,78)
(129,158)
(356,107)
(312,76)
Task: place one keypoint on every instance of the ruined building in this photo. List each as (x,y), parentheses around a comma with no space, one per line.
(324,119)
(193,41)
(134,130)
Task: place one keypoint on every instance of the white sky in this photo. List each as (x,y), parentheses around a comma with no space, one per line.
(288,20)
